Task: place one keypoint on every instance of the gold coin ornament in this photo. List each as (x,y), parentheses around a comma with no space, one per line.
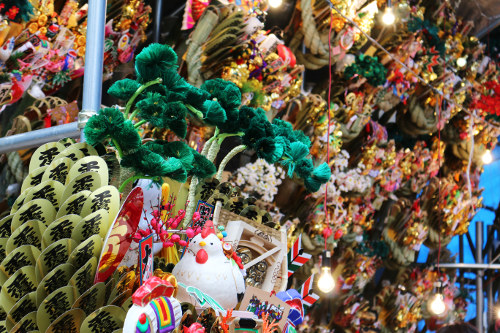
(54,305)
(25,255)
(105,319)
(58,169)
(51,242)
(88,164)
(92,299)
(70,322)
(29,233)
(26,324)
(88,181)
(83,279)
(37,209)
(61,228)
(73,153)
(45,154)
(55,279)
(50,190)
(19,284)
(55,254)
(85,149)
(33,179)
(93,224)
(73,204)
(106,197)
(25,305)
(85,251)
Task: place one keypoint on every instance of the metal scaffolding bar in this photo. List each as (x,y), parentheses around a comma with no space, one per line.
(471,266)
(92,88)
(157,21)
(479,277)
(489,277)
(92,80)
(38,137)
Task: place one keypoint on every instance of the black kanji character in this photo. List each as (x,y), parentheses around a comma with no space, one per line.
(75,206)
(84,279)
(55,282)
(91,227)
(36,179)
(82,184)
(23,309)
(27,237)
(86,167)
(65,325)
(59,173)
(103,323)
(20,286)
(48,155)
(85,253)
(89,302)
(5,228)
(17,261)
(47,192)
(33,212)
(56,256)
(57,305)
(72,157)
(101,200)
(62,230)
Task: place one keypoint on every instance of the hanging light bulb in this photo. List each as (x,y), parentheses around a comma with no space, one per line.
(275,3)
(461,62)
(498,313)
(326,283)
(388,18)
(436,305)
(487,157)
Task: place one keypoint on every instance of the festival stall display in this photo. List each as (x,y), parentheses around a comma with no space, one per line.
(43,45)
(141,229)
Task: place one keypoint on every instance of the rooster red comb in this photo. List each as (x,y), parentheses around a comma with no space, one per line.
(208,229)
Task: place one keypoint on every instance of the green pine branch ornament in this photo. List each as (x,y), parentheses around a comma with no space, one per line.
(369,68)
(162,98)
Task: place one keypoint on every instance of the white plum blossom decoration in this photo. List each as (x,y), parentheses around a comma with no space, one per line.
(259,177)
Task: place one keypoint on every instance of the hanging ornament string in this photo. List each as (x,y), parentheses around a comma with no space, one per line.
(439,102)
(329,115)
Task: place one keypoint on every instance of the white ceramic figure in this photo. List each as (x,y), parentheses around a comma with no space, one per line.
(206,267)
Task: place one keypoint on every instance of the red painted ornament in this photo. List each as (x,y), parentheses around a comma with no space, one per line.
(338,234)
(286,55)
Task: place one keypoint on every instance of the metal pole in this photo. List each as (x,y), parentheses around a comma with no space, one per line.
(471,266)
(479,277)
(94,58)
(489,279)
(157,21)
(38,137)
(461,256)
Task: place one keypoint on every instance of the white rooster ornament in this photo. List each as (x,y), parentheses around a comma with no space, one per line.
(206,267)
